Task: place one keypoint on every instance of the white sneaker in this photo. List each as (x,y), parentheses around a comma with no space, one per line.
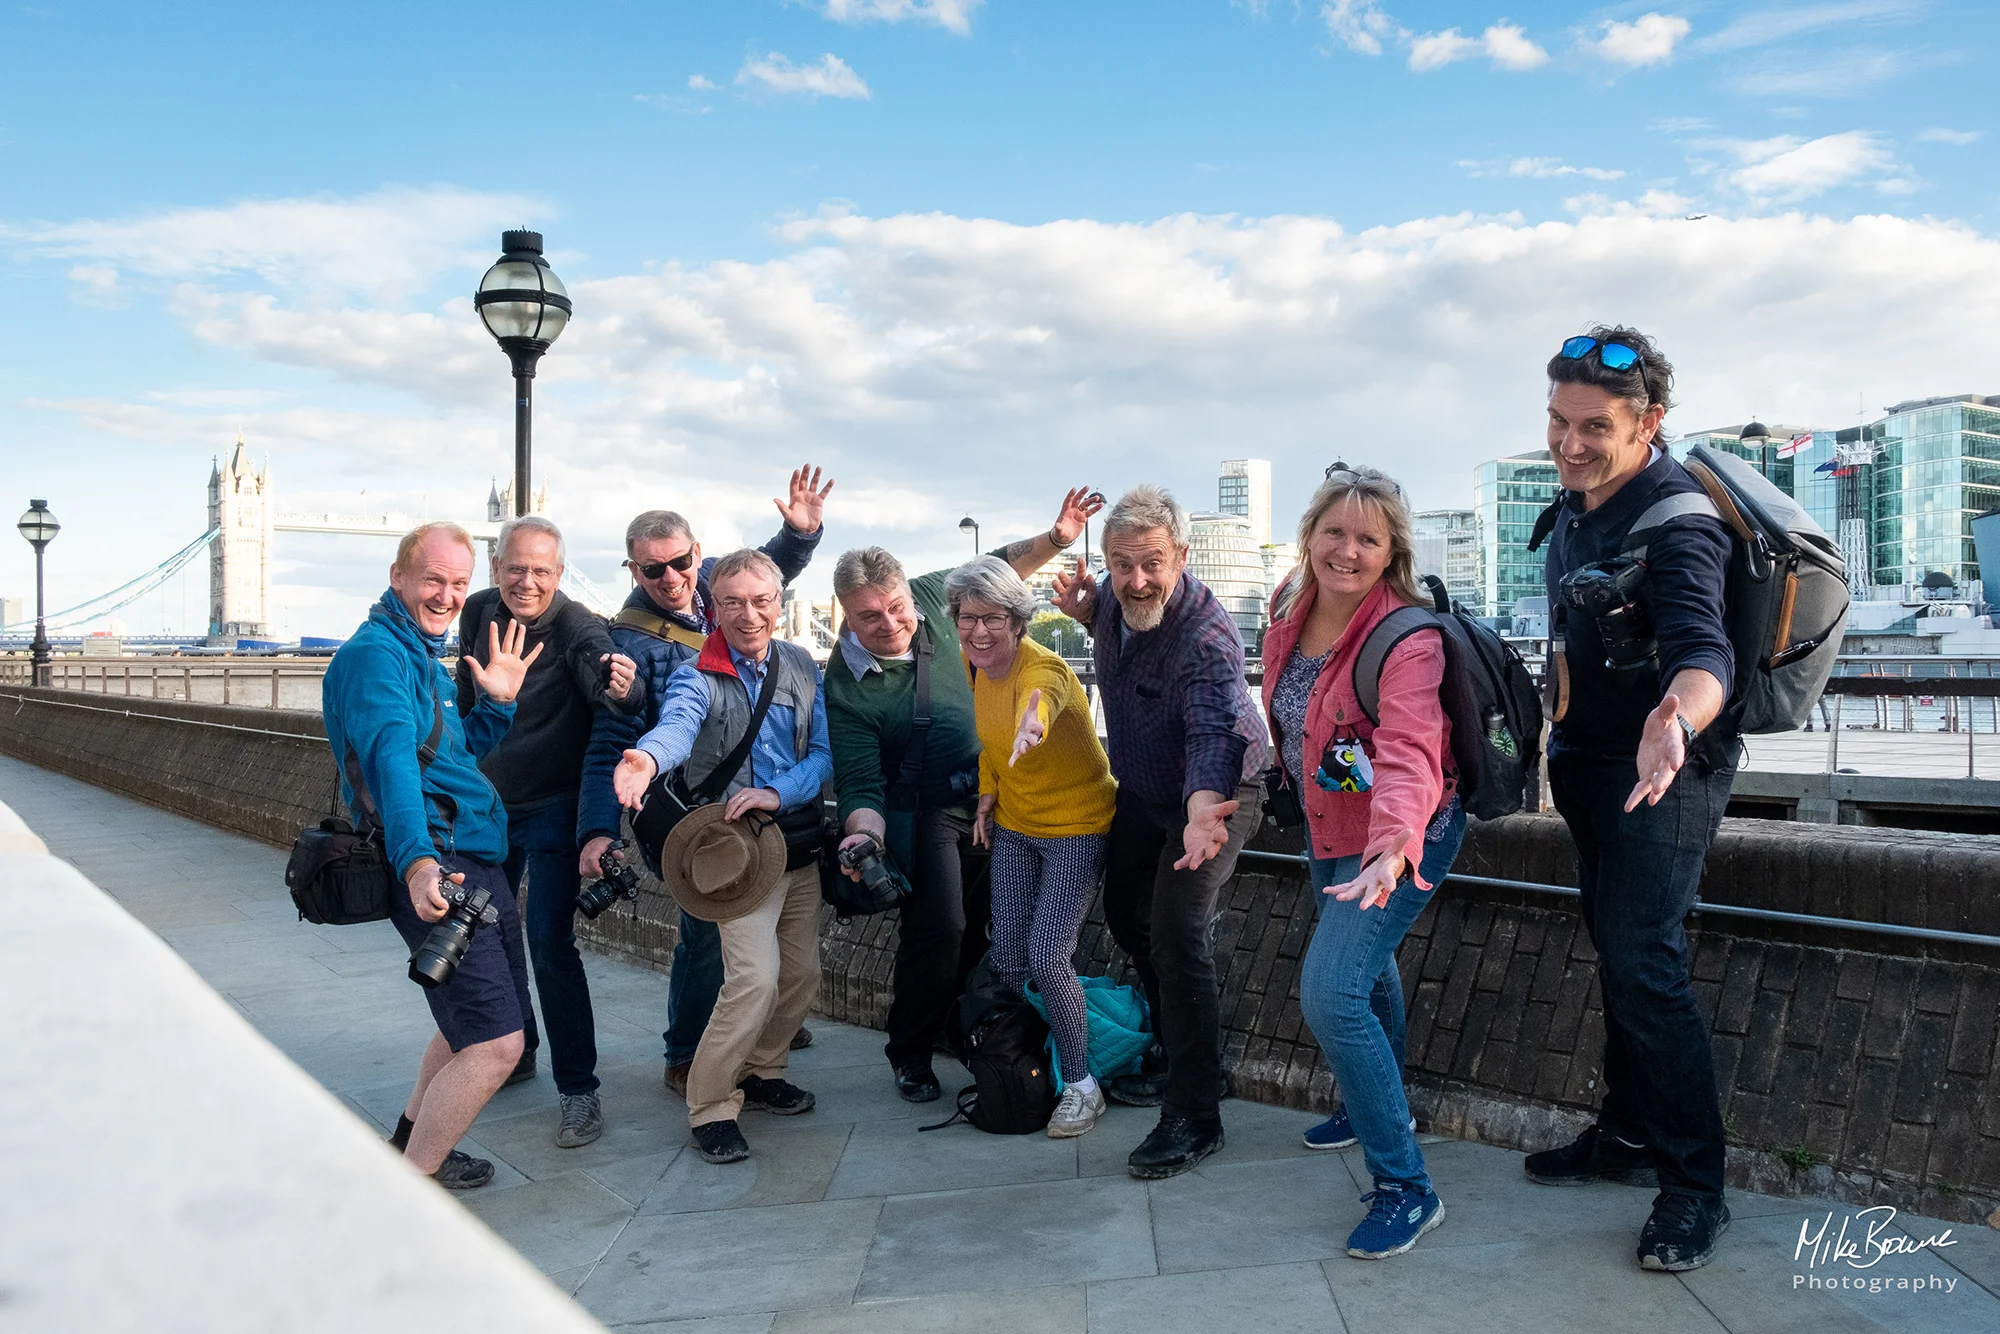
(1076,1113)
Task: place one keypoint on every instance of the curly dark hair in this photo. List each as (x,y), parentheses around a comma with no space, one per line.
(1650,381)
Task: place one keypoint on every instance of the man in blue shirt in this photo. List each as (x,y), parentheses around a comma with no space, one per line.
(770,956)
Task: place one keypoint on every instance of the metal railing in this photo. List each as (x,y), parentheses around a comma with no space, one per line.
(255,682)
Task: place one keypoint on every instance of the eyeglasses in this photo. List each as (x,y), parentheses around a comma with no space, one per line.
(541,574)
(679,565)
(992,622)
(735,606)
(1339,468)
(1612,356)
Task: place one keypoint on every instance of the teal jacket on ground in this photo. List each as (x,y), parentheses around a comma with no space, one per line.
(377,699)
(1116,1020)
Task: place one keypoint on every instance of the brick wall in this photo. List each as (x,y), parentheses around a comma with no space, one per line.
(1852,1065)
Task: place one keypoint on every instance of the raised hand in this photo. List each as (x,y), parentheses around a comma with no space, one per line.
(1662,752)
(806,500)
(1076,594)
(1029,734)
(1078,505)
(623,671)
(751,799)
(1207,831)
(634,774)
(1379,878)
(500,677)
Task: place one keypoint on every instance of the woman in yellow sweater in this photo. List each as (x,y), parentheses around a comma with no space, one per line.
(1045,801)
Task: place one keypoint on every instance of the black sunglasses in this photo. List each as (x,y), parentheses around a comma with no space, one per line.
(1612,356)
(1338,466)
(679,565)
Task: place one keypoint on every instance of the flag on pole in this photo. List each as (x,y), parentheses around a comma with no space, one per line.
(1828,466)
(1795,444)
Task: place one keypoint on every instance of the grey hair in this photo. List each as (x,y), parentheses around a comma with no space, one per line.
(529,523)
(866,567)
(1144,508)
(990,580)
(655,526)
(747,559)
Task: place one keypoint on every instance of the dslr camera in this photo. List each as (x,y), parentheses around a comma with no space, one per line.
(1613,594)
(615,881)
(436,961)
(865,860)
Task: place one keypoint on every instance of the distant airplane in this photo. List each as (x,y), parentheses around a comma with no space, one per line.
(1694,217)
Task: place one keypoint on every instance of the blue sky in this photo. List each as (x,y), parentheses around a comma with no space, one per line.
(959,252)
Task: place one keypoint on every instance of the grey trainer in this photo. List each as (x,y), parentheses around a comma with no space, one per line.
(582,1120)
(1076,1115)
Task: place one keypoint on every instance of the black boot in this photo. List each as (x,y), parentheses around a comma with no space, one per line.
(1596,1155)
(1175,1146)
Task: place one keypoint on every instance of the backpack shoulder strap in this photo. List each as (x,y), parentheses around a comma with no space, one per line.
(1390,631)
(659,627)
(906,792)
(1661,513)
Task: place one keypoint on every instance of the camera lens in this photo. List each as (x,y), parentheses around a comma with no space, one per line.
(595,897)
(436,960)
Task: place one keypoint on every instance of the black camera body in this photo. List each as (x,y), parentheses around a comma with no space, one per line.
(1614,594)
(436,961)
(865,860)
(615,881)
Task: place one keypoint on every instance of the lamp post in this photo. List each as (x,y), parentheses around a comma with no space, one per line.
(969,525)
(525,307)
(40,528)
(1758,436)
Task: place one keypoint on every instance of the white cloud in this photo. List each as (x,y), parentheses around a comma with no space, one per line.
(951,15)
(1679,124)
(1359,25)
(1765,26)
(1506,45)
(1537,168)
(1786,169)
(700,82)
(830,77)
(1959,138)
(1649,39)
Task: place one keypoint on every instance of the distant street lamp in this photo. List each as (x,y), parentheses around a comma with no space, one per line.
(40,528)
(1757,436)
(968,525)
(525,308)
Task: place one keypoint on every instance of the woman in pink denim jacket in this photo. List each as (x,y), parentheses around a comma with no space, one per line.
(1382,817)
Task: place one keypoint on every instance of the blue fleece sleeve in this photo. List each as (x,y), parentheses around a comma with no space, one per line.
(671,740)
(800,784)
(1687,567)
(371,701)
(486,724)
(792,550)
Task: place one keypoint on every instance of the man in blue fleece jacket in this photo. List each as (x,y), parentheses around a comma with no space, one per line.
(385,692)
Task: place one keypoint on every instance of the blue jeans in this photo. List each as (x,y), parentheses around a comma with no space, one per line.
(541,840)
(1352,998)
(692,987)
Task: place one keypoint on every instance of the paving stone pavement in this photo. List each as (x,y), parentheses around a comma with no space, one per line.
(848,1220)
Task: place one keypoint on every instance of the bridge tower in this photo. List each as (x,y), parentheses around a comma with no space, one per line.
(239,560)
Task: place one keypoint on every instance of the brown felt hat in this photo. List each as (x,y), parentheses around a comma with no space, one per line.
(718,869)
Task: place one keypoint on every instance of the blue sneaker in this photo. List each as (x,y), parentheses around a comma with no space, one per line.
(1337,1132)
(1397,1216)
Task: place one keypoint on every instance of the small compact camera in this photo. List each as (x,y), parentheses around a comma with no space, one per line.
(615,881)
(1613,594)
(436,961)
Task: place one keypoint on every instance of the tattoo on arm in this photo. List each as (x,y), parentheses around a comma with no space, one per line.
(1016,552)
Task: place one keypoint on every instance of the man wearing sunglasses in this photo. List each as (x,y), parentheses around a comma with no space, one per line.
(1641,759)
(662,627)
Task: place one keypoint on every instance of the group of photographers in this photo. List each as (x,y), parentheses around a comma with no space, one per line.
(965,755)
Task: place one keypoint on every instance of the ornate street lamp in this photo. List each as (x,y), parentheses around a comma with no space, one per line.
(1757,436)
(40,528)
(969,525)
(525,307)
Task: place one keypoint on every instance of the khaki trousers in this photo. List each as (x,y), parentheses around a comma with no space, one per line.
(770,974)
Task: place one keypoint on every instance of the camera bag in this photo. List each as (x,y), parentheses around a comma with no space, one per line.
(1003,1042)
(1488,693)
(339,875)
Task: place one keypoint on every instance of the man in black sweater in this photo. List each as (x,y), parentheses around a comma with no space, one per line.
(573,670)
(1641,758)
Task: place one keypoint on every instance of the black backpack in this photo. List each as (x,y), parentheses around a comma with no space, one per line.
(1004,1044)
(1488,693)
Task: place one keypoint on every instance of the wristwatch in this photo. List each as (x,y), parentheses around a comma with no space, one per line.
(1689,732)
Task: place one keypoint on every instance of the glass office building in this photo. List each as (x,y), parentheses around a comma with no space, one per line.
(1938,467)
(1224,554)
(1509,494)
(1448,546)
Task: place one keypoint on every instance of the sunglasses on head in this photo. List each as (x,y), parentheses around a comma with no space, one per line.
(679,565)
(1339,468)
(1612,356)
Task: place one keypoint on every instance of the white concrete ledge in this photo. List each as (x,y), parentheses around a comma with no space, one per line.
(166,1169)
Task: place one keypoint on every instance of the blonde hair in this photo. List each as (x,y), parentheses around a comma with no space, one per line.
(407,547)
(1379,491)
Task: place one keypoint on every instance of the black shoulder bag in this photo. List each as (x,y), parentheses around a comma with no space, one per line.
(854,898)
(669,800)
(340,875)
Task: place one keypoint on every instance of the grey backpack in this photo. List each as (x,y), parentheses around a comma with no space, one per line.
(1785,602)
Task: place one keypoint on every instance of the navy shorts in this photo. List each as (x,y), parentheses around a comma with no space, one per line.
(488,995)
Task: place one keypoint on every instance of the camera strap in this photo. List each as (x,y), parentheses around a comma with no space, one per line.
(906,793)
(720,777)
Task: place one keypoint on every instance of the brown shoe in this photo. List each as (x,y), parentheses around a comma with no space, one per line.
(802,1039)
(677,1079)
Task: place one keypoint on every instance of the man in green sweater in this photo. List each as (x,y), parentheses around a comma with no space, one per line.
(918,805)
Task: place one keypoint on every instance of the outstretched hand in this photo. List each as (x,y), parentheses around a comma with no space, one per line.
(1078,505)
(805,501)
(1207,831)
(632,777)
(1379,878)
(499,677)
(1662,752)
(1030,732)
(1076,594)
